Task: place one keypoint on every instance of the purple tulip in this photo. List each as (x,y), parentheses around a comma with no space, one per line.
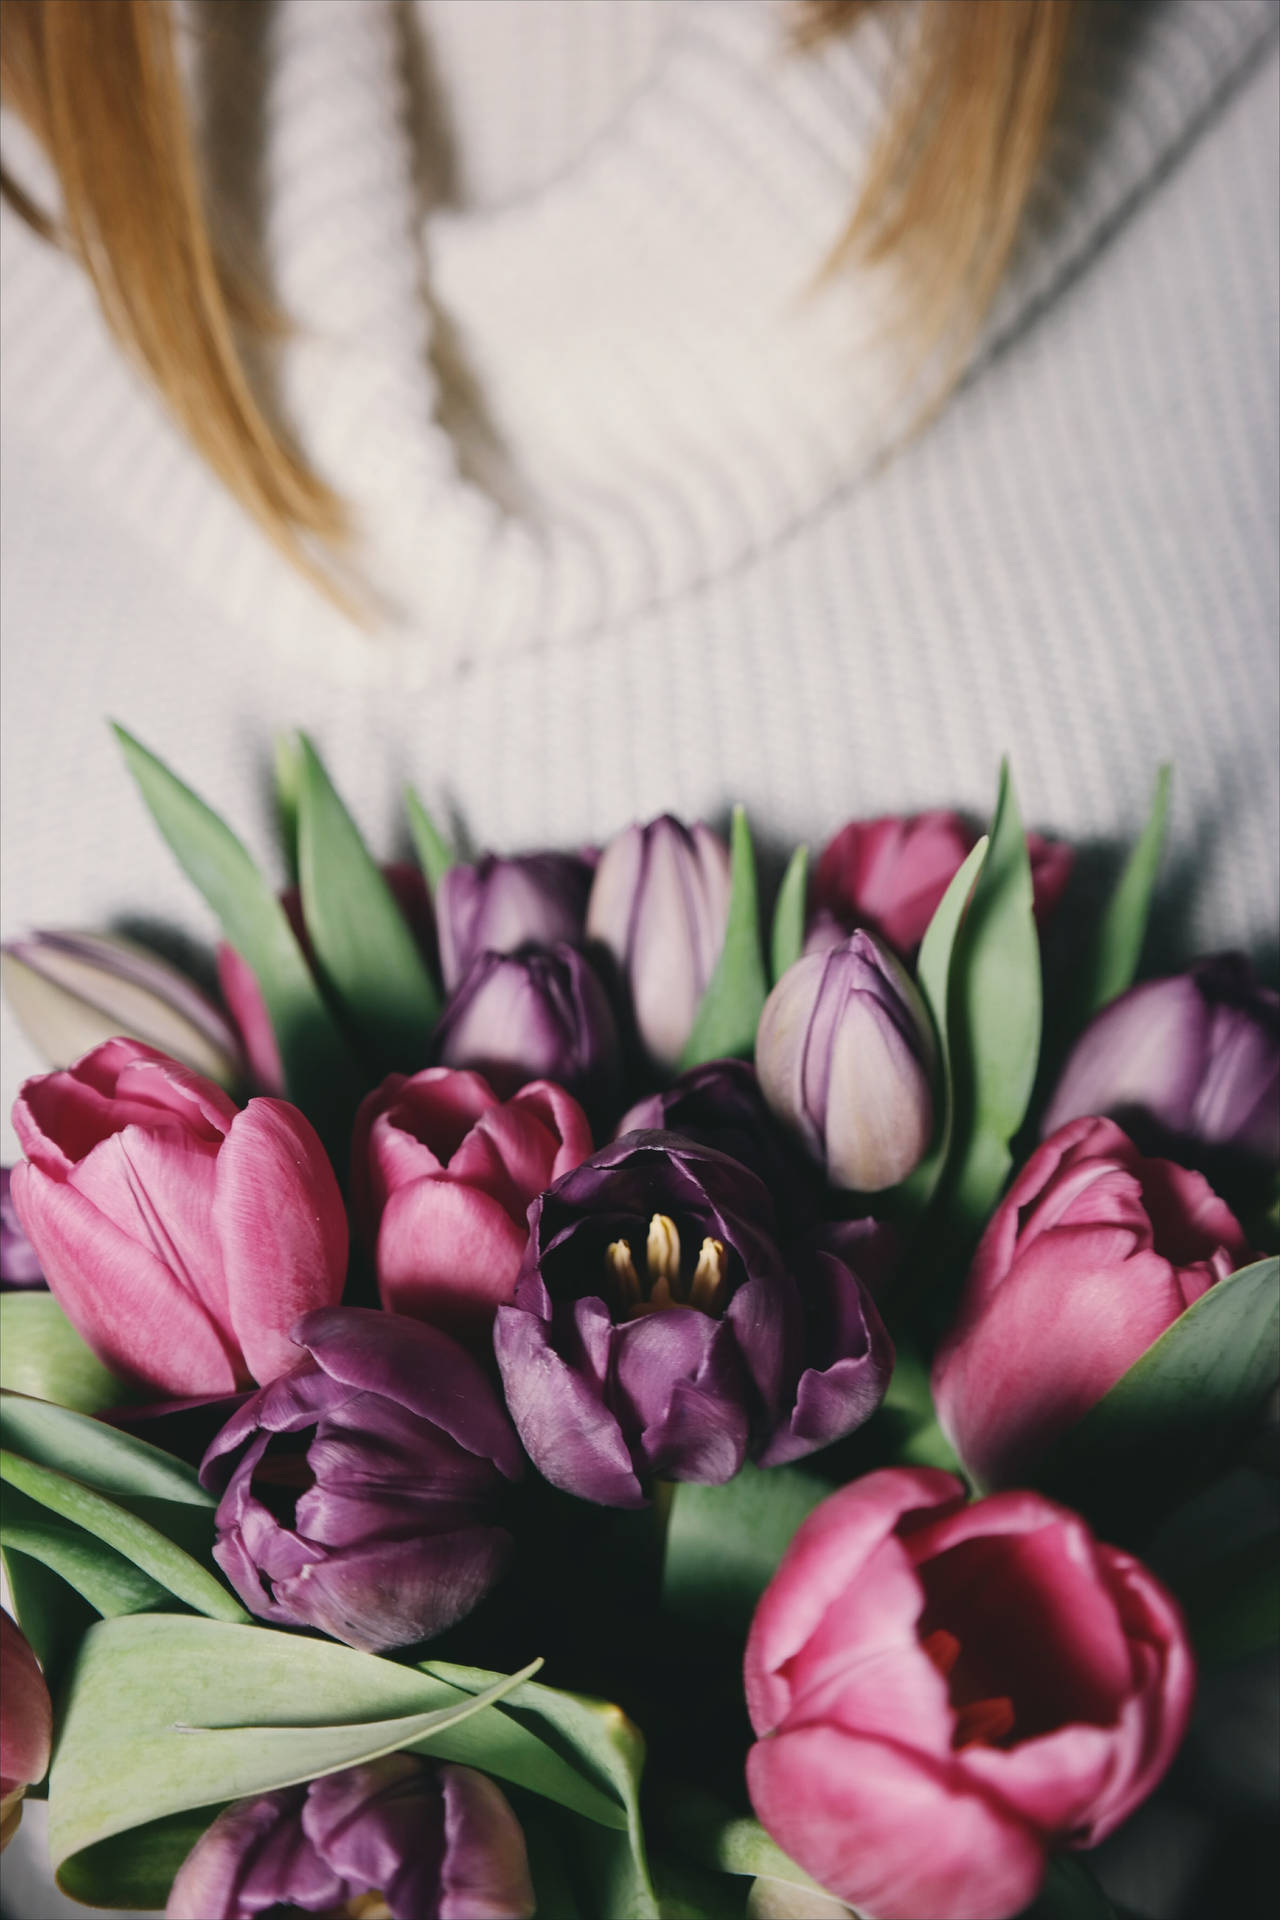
(659,904)
(658,1331)
(845,1056)
(1192,1060)
(403,1836)
(361,1493)
(19,1261)
(721,1105)
(534,1016)
(499,906)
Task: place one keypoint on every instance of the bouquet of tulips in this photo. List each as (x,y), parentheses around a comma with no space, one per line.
(546,1315)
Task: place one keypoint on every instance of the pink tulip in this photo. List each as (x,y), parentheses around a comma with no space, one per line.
(1091,1255)
(890,875)
(26,1725)
(944,1693)
(443,1176)
(181,1236)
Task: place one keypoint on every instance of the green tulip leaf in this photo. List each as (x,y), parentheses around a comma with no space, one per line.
(1112,964)
(1233,1605)
(107,1580)
(50,1612)
(136,1869)
(787,943)
(90,1451)
(435,855)
(1171,1418)
(133,1537)
(1070,1892)
(317,1065)
(363,946)
(42,1355)
(993,1016)
(726,1021)
(933,976)
(724,1543)
(288,776)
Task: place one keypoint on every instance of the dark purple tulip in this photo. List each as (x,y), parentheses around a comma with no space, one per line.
(658,1331)
(499,906)
(19,1262)
(659,904)
(534,1016)
(1192,1059)
(362,1493)
(845,1056)
(722,1105)
(430,1842)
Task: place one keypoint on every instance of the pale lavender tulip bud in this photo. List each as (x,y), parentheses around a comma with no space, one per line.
(499,906)
(71,991)
(19,1261)
(659,904)
(534,1016)
(407,1837)
(1189,1061)
(845,1055)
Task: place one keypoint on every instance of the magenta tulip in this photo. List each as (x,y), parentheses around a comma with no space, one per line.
(944,1693)
(26,1724)
(443,1175)
(890,875)
(181,1236)
(1091,1254)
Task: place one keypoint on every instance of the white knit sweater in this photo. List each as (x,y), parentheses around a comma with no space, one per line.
(628,486)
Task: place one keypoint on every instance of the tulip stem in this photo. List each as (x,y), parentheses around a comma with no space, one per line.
(664,1492)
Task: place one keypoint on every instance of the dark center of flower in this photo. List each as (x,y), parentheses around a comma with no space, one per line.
(665,1276)
(283,1474)
(980,1721)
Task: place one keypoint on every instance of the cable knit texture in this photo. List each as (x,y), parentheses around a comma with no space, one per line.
(632,491)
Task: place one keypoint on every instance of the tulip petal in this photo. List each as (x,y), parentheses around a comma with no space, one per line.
(26,1715)
(157,1187)
(389,1593)
(678,1383)
(253,1855)
(852,1812)
(282,1230)
(570,1435)
(485,1875)
(447,1253)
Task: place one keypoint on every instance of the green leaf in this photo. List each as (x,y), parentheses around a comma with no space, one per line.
(787,943)
(726,1021)
(135,1869)
(1170,1418)
(288,772)
(1070,1892)
(110,1583)
(41,1354)
(139,1542)
(1111,965)
(1233,1605)
(165,1712)
(933,976)
(89,1450)
(363,946)
(50,1612)
(993,1016)
(435,855)
(724,1543)
(317,1065)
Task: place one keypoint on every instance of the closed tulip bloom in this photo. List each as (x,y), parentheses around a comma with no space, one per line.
(428,1842)
(534,1016)
(182,1236)
(499,906)
(659,905)
(19,1266)
(658,1332)
(71,991)
(1091,1255)
(890,874)
(362,1493)
(26,1724)
(1190,1061)
(945,1693)
(443,1174)
(845,1056)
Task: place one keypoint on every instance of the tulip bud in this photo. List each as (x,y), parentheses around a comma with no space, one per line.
(659,904)
(71,991)
(1193,1060)
(26,1724)
(360,1493)
(845,1056)
(499,906)
(534,1016)
(399,1835)
(19,1262)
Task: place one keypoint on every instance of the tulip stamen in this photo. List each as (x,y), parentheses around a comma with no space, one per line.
(623,1269)
(708,1276)
(662,1252)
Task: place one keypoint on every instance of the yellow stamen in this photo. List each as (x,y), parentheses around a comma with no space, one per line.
(707,1275)
(663,1252)
(623,1269)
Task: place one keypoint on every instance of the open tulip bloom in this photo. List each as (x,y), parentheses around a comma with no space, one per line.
(734,1324)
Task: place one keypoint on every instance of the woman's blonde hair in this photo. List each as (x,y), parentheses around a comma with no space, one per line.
(97,82)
